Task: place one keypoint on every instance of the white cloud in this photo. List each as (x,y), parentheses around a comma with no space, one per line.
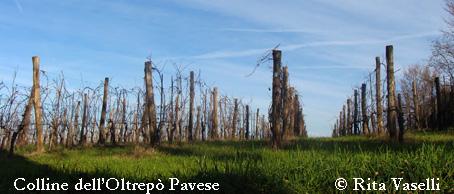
(259,30)
(292,47)
(19,6)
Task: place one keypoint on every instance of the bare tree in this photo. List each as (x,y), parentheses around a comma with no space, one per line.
(443,49)
(56,116)
(416,86)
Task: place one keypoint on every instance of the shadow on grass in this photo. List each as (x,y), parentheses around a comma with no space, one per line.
(218,154)
(231,144)
(16,166)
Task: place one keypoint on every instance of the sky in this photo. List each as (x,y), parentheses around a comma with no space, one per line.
(329,46)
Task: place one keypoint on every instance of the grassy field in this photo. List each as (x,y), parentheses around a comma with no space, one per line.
(303,166)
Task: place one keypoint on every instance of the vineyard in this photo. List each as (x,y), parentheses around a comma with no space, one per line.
(427,103)
(108,115)
(215,138)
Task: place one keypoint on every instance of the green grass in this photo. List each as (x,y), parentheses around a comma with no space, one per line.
(302,166)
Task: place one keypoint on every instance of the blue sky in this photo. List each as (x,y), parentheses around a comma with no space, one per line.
(329,46)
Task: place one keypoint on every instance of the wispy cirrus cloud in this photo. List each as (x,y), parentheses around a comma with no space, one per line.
(258,30)
(292,47)
(19,6)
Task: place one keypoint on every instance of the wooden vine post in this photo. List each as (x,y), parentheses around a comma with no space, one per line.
(439,104)
(276,106)
(341,123)
(71,132)
(378,99)
(214,114)
(285,103)
(400,118)
(296,121)
(191,106)
(355,114)
(248,132)
(197,124)
(349,116)
(234,119)
(344,120)
(102,121)
(37,105)
(154,134)
(364,110)
(391,87)
(124,124)
(82,137)
(257,118)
